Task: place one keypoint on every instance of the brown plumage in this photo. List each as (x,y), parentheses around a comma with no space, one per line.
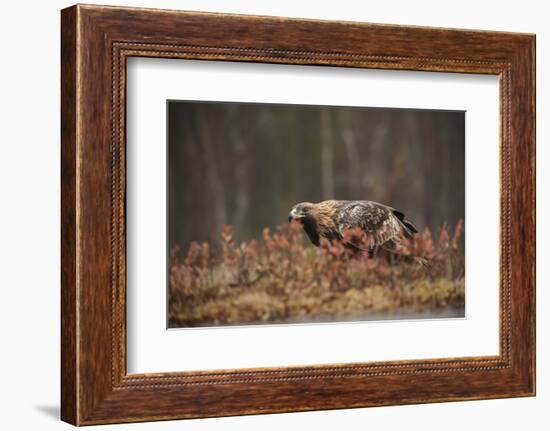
(382,227)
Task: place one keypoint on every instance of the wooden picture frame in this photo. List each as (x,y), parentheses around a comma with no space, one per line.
(95,43)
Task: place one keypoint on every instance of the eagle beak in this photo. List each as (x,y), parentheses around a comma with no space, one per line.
(293,215)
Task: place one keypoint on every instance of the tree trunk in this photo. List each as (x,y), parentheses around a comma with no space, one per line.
(327,156)
(215,182)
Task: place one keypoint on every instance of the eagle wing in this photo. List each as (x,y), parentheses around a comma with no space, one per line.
(378,222)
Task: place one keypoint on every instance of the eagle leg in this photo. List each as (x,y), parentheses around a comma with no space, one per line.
(373,251)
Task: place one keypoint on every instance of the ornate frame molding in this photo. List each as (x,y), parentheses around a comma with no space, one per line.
(96,41)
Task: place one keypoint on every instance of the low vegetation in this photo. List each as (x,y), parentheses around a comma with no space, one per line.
(282,278)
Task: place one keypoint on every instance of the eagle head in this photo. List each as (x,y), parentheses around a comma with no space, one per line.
(300,212)
(318,220)
(306,214)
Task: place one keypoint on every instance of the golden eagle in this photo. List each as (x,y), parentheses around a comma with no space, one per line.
(381,226)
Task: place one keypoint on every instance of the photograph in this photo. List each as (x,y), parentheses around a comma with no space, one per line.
(285,214)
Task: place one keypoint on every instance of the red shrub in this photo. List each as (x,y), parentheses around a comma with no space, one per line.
(283,277)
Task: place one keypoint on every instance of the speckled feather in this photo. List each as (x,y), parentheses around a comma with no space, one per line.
(382,225)
(377,221)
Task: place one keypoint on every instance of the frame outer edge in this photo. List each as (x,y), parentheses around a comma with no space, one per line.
(523,217)
(88,397)
(528,61)
(533,54)
(532,68)
(69,195)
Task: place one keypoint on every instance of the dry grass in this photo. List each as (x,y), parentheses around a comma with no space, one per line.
(282,278)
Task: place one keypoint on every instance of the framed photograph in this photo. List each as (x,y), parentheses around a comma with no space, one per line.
(264,214)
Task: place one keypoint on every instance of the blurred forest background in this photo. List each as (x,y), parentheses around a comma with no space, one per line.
(247,164)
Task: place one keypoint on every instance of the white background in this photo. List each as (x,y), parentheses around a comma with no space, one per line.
(29,216)
(151,348)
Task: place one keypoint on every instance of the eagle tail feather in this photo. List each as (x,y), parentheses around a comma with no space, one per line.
(395,249)
(407,224)
(423,262)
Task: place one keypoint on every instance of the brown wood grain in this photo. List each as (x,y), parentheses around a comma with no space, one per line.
(69,368)
(96,41)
